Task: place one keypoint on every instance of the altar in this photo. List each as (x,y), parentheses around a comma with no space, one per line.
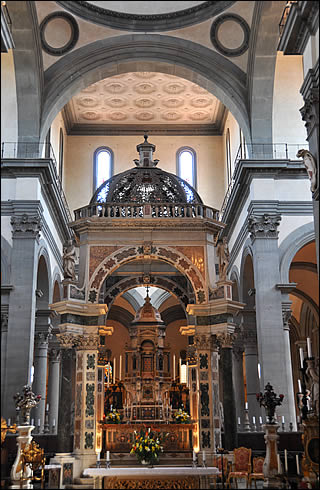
(151,478)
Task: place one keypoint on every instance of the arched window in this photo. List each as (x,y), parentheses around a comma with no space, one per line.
(228,156)
(187,165)
(60,154)
(102,166)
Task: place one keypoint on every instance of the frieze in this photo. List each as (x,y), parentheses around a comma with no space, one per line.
(204,399)
(26,225)
(264,226)
(88,436)
(147,249)
(91,361)
(213,319)
(125,254)
(206,439)
(90,400)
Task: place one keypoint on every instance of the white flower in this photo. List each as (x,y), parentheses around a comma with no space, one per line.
(147,448)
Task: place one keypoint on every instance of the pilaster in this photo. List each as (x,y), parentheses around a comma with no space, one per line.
(53,387)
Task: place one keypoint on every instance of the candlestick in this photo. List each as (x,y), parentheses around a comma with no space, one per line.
(174,367)
(299,386)
(120,368)
(260,420)
(194,456)
(54,423)
(39,422)
(286,461)
(98,456)
(282,419)
(259,370)
(301,357)
(253,420)
(309,347)
(297,463)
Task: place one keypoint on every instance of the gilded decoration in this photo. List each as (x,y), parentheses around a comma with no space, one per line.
(195,255)
(97,255)
(167,483)
(86,342)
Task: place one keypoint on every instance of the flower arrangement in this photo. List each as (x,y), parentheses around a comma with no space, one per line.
(147,446)
(181,417)
(113,417)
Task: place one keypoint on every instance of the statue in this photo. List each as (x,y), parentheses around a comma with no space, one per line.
(311,167)
(312,374)
(223,254)
(69,260)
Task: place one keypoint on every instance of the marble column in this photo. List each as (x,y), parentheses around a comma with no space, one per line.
(229,407)
(286,314)
(238,381)
(251,363)
(270,335)
(66,399)
(209,400)
(21,322)
(53,388)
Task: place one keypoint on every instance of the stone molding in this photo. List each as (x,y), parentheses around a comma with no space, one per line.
(73,37)
(146,22)
(4,318)
(26,226)
(301,23)
(54,355)
(225,51)
(310,93)
(264,226)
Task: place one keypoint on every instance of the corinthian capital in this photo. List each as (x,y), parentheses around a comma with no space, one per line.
(26,226)
(264,226)
(87,342)
(225,339)
(66,340)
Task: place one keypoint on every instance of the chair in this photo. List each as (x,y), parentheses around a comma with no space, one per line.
(241,466)
(217,464)
(257,472)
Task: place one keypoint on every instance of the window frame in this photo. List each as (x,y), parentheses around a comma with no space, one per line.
(61,153)
(98,150)
(194,163)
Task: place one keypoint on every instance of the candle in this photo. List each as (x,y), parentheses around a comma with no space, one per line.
(110,408)
(301,357)
(54,423)
(239,421)
(308,404)
(309,347)
(39,422)
(114,370)
(98,456)
(149,430)
(297,463)
(194,456)
(246,406)
(286,461)
(174,367)
(47,407)
(259,370)
(203,455)
(32,421)
(299,386)
(298,419)
(254,420)
(108,377)
(260,420)
(108,455)
(279,464)
(9,422)
(282,419)
(120,368)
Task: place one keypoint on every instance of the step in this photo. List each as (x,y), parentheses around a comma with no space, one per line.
(84,480)
(75,485)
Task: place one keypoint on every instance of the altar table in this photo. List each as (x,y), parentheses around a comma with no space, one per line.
(156,477)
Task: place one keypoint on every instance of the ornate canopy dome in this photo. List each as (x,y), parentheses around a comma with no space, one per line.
(146,184)
(147,313)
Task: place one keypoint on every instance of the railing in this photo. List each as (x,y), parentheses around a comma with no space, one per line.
(261,151)
(284,16)
(151,210)
(5,12)
(34,151)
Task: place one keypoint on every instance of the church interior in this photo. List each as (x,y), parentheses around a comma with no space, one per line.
(159,244)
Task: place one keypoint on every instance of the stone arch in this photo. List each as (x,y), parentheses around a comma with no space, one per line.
(56,286)
(145,52)
(235,278)
(291,245)
(44,282)
(247,251)
(166,254)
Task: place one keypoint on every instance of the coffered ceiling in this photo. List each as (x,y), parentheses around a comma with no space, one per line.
(153,101)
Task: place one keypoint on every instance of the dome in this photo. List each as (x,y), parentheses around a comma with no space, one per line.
(147,313)
(146,184)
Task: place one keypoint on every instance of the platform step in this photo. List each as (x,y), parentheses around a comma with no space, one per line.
(166,459)
(78,485)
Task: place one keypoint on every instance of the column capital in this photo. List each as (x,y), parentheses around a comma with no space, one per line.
(203,341)
(26,226)
(286,315)
(54,355)
(87,342)
(225,340)
(42,336)
(66,340)
(263,226)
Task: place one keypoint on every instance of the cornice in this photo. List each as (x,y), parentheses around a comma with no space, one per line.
(133,129)
(42,169)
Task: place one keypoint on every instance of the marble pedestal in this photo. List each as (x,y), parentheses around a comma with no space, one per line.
(270,466)
(23,439)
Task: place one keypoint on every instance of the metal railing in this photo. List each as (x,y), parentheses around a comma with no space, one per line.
(261,151)
(284,16)
(35,151)
(5,13)
(150,210)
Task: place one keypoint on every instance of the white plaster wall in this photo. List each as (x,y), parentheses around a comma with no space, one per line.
(56,125)
(27,188)
(287,125)
(6,229)
(9,110)
(290,223)
(79,163)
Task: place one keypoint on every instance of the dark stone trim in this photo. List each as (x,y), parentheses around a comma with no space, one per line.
(214,319)
(223,49)
(72,41)
(79,319)
(133,129)
(309,266)
(145,22)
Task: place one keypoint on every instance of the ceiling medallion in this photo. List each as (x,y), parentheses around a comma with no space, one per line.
(199,115)
(200,102)
(90,115)
(171,116)
(174,88)
(90,90)
(146,22)
(145,116)
(214,35)
(118,116)
(145,88)
(115,88)
(115,102)
(144,102)
(87,102)
(74,33)
(173,102)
